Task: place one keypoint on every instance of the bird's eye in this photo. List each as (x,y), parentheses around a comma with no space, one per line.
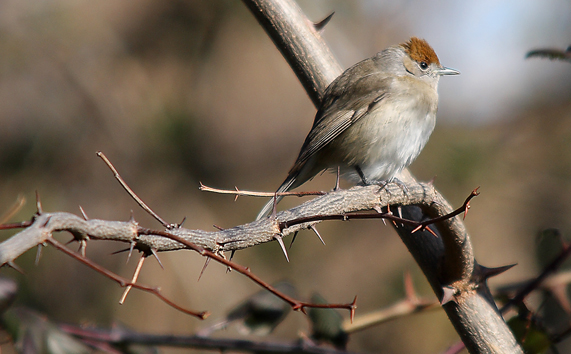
(423,65)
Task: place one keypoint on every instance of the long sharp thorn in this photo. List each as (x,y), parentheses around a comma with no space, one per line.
(338,174)
(232,255)
(399,209)
(182,222)
(218,227)
(293,239)
(281,242)
(321,24)
(38,254)
(83,213)
(38,203)
(131,247)
(314,229)
(134,280)
(432,232)
(204,268)
(82,247)
(237,193)
(15,267)
(157,257)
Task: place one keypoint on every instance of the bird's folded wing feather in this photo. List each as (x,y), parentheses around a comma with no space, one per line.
(339,112)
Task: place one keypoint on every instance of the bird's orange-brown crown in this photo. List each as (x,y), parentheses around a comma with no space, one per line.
(419,50)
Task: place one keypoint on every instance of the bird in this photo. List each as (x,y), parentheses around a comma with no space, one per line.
(259,314)
(327,324)
(373,120)
(550,53)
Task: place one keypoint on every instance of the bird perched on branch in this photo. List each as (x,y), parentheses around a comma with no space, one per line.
(374,119)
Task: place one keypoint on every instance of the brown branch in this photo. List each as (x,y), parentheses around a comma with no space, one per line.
(295,304)
(120,336)
(123,282)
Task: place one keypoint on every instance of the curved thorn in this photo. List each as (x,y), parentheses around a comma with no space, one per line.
(321,24)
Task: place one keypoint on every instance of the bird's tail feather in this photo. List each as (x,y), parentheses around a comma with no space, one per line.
(286,186)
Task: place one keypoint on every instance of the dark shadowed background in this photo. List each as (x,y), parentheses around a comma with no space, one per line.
(176,92)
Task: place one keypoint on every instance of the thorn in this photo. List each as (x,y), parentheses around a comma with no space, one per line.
(314,229)
(237,193)
(157,257)
(338,171)
(15,267)
(293,239)
(353,308)
(281,242)
(486,273)
(39,254)
(417,228)
(83,213)
(466,211)
(182,222)
(132,217)
(134,280)
(432,232)
(447,296)
(399,209)
(232,255)
(218,227)
(131,247)
(82,247)
(379,210)
(321,24)
(38,204)
(204,268)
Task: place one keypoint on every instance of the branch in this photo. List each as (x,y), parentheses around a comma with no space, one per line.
(448,262)
(119,336)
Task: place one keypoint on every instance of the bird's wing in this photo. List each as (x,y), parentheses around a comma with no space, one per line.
(338,112)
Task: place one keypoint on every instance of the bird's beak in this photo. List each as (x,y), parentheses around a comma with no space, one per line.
(447,71)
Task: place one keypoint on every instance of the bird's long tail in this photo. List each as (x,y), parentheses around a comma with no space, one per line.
(286,186)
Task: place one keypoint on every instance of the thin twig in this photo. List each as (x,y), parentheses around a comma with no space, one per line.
(295,304)
(123,281)
(238,192)
(130,191)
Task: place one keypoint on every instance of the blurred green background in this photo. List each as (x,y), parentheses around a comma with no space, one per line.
(176,92)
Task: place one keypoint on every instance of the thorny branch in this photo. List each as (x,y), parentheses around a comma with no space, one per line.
(124,282)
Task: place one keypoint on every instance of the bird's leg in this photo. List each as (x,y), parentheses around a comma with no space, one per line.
(364,179)
(337,180)
(400,184)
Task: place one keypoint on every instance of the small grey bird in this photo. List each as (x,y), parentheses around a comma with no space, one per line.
(259,314)
(327,324)
(374,119)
